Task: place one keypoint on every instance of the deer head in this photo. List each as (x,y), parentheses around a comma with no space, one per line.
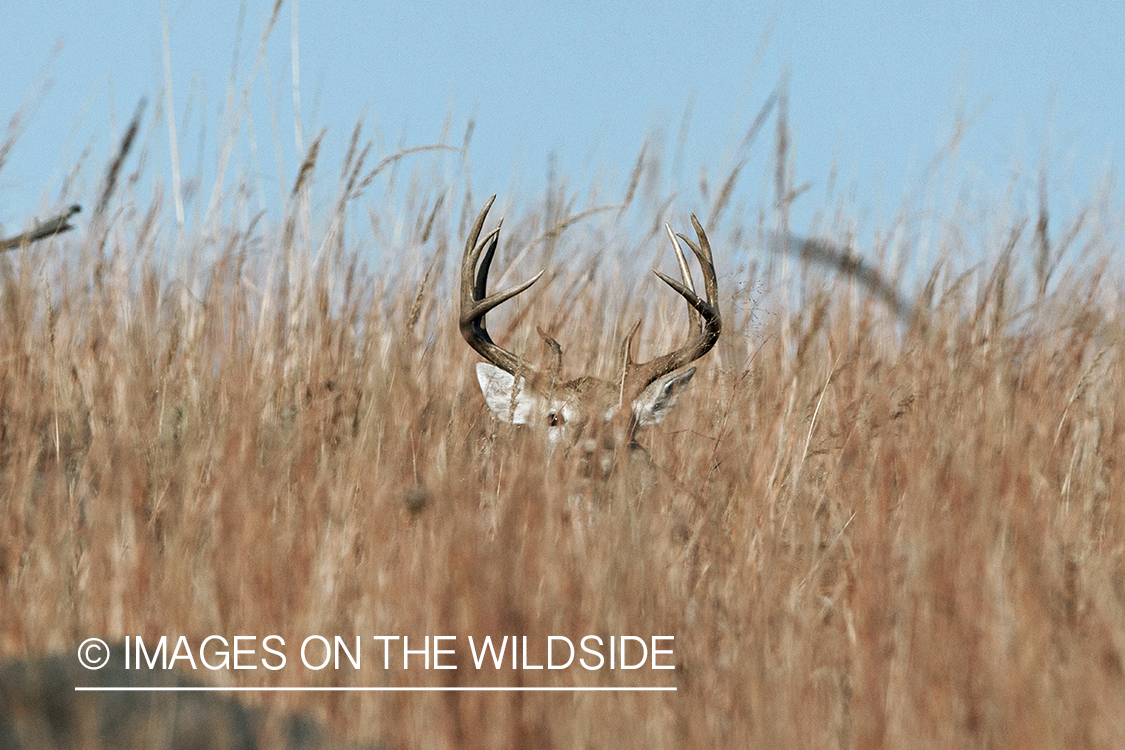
(590,413)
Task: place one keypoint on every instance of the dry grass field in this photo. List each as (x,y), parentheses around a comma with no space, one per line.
(863,531)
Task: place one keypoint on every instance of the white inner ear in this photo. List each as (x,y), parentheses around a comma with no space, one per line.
(657,400)
(497,386)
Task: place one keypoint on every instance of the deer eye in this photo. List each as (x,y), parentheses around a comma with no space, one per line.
(554,419)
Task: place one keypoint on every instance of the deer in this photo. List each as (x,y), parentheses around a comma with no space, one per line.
(592,415)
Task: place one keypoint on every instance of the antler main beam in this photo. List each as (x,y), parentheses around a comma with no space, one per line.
(475,304)
(638,376)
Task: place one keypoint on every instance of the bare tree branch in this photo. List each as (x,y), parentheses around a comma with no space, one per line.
(49,228)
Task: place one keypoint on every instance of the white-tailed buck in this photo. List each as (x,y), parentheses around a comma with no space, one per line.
(593,415)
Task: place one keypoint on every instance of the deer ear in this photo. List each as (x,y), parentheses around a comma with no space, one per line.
(657,400)
(497,386)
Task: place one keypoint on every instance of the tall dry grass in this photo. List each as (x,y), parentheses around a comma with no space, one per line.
(864,533)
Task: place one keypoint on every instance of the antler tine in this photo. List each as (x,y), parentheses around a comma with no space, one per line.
(636,377)
(490,243)
(706,262)
(556,351)
(685,276)
(475,305)
(626,360)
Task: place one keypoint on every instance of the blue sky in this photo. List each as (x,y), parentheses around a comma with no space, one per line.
(874,88)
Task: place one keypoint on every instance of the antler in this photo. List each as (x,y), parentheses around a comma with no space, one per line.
(706,323)
(50,227)
(475,305)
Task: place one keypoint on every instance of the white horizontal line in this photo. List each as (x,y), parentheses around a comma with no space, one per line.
(373,689)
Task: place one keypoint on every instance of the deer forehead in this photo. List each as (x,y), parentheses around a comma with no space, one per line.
(590,397)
